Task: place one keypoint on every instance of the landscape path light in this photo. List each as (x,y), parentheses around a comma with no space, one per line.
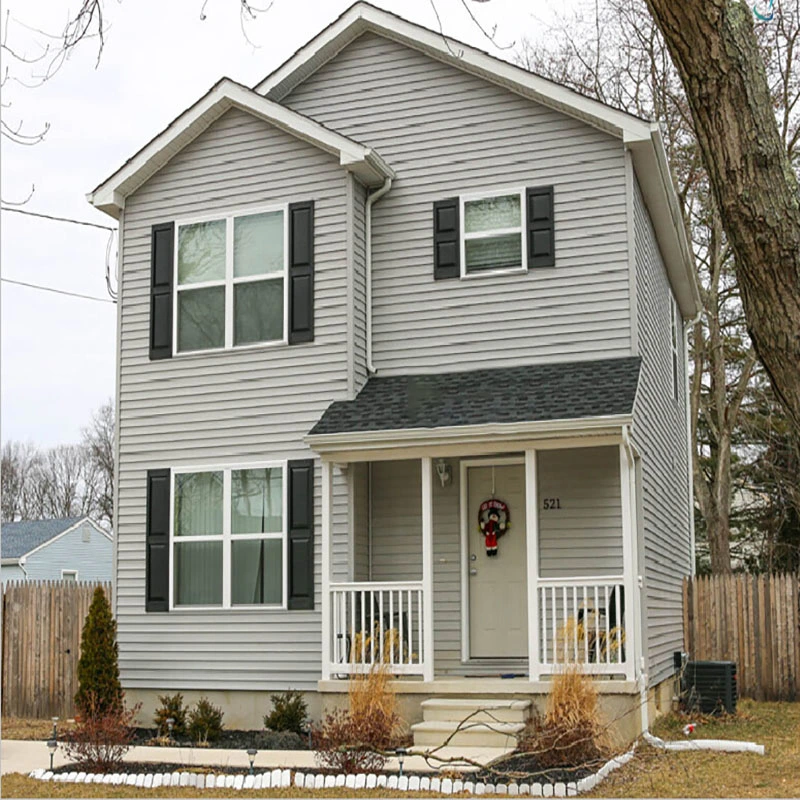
(401,753)
(52,746)
(251,754)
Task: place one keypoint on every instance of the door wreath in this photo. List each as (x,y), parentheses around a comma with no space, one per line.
(494,519)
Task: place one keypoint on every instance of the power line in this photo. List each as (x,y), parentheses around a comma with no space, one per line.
(57,219)
(58,291)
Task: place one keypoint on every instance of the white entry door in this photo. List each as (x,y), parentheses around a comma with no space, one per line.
(497,584)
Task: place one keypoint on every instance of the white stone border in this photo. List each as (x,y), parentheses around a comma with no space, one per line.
(282,778)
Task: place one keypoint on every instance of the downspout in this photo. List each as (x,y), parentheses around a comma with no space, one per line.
(372,198)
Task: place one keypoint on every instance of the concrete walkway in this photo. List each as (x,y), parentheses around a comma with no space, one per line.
(26,756)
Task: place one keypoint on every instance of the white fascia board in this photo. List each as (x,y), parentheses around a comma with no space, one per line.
(10,562)
(362,17)
(110,195)
(658,190)
(331,443)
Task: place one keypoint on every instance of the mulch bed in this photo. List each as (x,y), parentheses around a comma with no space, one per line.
(524,768)
(231,740)
(146,767)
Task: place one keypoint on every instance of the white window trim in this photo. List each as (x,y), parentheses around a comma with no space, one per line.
(229,281)
(65,572)
(464,236)
(227,538)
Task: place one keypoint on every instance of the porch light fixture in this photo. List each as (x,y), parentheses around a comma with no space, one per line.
(401,753)
(170,726)
(251,755)
(52,746)
(444,471)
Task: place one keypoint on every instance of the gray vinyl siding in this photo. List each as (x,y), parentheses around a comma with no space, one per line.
(445,132)
(227,407)
(659,434)
(584,536)
(91,559)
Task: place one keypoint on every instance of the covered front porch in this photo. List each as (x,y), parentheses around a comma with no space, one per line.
(417,585)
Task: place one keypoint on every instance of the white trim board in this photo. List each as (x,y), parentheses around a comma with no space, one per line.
(109,196)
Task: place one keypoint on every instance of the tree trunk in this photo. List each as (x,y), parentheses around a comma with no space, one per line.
(713,45)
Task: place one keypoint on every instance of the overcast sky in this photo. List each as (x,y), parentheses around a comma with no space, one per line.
(58,353)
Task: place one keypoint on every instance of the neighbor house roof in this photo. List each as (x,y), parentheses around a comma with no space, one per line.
(17,539)
(110,195)
(500,396)
(641,137)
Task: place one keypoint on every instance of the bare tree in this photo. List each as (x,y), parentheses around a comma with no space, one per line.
(19,461)
(98,441)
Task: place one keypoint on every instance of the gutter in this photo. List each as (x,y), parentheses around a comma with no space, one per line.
(371,200)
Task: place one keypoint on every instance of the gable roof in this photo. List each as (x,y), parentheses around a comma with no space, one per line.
(18,539)
(499,396)
(641,137)
(109,196)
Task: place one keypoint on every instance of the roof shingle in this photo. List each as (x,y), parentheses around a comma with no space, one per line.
(19,538)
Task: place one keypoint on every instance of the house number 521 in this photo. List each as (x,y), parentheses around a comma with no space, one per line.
(551,503)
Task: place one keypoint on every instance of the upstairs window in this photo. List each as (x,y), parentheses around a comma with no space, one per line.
(231,282)
(492,237)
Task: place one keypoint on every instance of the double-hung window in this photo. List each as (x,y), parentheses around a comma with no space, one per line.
(231,281)
(229,537)
(492,238)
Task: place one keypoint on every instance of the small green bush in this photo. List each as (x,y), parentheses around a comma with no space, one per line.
(171,708)
(279,740)
(205,722)
(99,689)
(289,712)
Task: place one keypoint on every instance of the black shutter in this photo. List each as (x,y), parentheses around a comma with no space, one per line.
(446,246)
(541,230)
(161,263)
(301,534)
(157,540)
(301,272)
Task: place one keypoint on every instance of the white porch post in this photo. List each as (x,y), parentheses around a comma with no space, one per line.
(532,547)
(628,568)
(327,516)
(427,568)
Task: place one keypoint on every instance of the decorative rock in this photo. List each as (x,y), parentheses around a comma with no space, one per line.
(350,781)
(372,780)
(249,781)
(276,778)
(490,789)
(98,778)
(48,776)
(106,778)
(424,783)
(158,780)
(402,783)
(238,782)
(469,787)
(547,790)
(536,790)
(319,781)
(286,778)
(175,779)
(458,786)
(572,789)
(560,790)
(382,781)
(229,779)
(513,789)
(361,781)
(130,780)
(72,776)
(257,783)
(525,788)
(148,780)
(447,786)
(413,783)
(330,782)
(480,787)
(339,780)
(79,778)
(500,788)
(308,781)
(392,783)
(266,780)
(299,780)
(435,784)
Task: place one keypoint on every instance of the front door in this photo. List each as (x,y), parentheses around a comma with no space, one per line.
(498,590)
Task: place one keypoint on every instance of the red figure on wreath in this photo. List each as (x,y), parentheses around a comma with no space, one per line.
(494,520)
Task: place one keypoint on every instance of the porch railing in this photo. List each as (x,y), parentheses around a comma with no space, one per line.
(374,623)
(582,621)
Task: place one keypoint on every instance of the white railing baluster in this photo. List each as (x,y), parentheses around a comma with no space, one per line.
(380,612)
(608,638)
(618,622)
(392,630)
(362,597)
(371,627)
(410,626)
(400,625)
(543,602)
(421,654)
(565,623)
(554,629)
(585,629)
(352,639)
(596,628)
(575,623)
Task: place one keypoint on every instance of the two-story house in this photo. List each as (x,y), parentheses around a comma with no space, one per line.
(402,376)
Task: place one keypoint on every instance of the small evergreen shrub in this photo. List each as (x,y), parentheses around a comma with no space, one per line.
(205,722)
(171,708)
(289,712)
(99,689)
(279,740)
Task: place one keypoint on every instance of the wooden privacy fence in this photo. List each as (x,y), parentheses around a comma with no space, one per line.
(42,624)
(753,620)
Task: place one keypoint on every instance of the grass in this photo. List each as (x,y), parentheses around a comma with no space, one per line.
(655,773)
(36,729)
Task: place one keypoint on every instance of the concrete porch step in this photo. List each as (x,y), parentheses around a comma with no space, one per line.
(457,710)
(433,733)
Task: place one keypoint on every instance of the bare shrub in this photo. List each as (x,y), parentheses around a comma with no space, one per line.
(358,739)
(101,736)
(571,731)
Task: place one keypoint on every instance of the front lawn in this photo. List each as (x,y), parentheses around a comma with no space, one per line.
(32,729)
(655,773)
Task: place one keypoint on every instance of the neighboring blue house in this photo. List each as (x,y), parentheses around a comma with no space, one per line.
(76,548)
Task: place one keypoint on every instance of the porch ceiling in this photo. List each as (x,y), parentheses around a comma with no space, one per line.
(502,396)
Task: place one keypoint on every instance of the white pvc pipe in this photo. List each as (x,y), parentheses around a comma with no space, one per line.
(721,745)
(372,198)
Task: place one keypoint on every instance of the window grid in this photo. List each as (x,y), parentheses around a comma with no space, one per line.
(229,281)
(227,537)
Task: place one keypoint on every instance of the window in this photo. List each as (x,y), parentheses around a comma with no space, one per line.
(676,339)
(69,575)
(228,537)
(492,237)
(231,281)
